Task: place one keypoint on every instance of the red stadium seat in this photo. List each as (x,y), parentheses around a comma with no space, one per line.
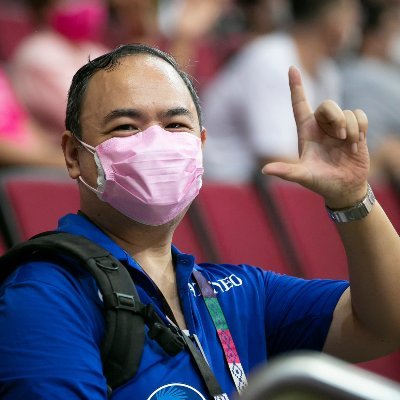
(32,201)
(310,230)
(2,246)
(238,226)
(313,235)
(390,202)
(388,366)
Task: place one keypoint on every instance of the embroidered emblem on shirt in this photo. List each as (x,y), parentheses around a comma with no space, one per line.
(219,286)
(176,391)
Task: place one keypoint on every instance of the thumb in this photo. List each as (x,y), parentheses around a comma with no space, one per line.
(289,172)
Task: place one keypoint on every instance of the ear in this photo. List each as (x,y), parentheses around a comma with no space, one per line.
(70,149)
(203,136)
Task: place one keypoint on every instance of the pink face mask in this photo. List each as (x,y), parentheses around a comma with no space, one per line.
(81,20)
(149,177)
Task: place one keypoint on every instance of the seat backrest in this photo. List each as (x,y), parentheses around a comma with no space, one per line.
(312,233)
(238,225)
(3,247)
(389,199)
(387,366)
(32,201)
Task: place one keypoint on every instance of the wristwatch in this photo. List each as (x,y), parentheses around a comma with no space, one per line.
(356,212)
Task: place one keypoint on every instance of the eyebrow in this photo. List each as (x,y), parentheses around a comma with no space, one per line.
(122,112)
(135,113)
(173,112)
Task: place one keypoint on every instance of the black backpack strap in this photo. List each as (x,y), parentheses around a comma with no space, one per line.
(124,337)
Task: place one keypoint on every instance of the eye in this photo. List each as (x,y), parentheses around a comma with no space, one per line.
(126,127)
(177,126)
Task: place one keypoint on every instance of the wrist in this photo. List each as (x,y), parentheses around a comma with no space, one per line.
(347,199)
(356,211)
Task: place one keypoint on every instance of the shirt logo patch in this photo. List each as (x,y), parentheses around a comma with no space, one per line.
(176,391)
(219,286)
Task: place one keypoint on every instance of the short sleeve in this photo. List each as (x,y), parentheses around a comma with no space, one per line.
(51,329)
(299,312)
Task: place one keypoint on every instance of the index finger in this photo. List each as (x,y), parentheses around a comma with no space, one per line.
(301,108)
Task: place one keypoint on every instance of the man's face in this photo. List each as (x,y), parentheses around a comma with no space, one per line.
(339,22)
(140,92)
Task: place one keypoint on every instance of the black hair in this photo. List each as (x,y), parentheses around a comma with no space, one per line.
(249,3)
(38,9)
(306,10)
(109,61)
(372,13)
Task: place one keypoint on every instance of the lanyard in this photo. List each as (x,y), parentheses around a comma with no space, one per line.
(224,335)
(209,378)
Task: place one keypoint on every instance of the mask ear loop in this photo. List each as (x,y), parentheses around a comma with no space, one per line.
(88,147)
(101,178)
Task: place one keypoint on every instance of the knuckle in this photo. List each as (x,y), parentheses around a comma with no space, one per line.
(329,104)
(359,111)
(361,115)
(350,115)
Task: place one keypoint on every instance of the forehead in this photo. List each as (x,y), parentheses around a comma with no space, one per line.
(142,82)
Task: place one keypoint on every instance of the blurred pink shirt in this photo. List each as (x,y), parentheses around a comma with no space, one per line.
(12,115)
(42,69)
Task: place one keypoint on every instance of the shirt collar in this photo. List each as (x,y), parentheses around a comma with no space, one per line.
(78,224)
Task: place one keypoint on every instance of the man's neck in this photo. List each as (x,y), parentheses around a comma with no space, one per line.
(150,246)
(156,260)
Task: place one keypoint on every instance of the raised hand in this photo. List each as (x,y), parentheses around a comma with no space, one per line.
(333,154)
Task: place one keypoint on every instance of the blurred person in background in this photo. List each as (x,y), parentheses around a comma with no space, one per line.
(246,106)
(15,25)
(244,21)
(133,21)
(68,33)
(373,83)
(183,28)
(22,142)
(262,16)
(190,36)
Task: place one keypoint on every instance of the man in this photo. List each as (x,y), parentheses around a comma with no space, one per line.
(66,31)
(374,68)
(133,135)
(247,106)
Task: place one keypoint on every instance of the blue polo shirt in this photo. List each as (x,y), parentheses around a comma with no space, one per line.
(51,325)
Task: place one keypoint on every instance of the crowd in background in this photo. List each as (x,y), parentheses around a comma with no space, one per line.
(238,53)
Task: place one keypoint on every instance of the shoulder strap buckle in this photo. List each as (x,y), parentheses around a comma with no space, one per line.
(126,302)
(104,262)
